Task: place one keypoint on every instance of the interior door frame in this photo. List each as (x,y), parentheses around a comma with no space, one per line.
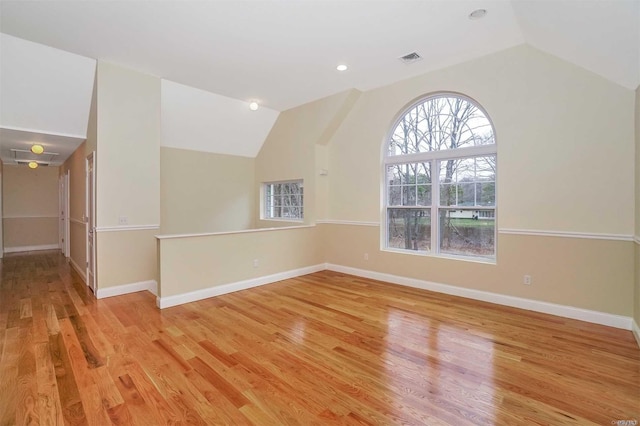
(64,231)
(61,203)
(67,218)
(90,219)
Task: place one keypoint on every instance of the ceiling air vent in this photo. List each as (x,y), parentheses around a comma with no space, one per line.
(26,162)
(410,58)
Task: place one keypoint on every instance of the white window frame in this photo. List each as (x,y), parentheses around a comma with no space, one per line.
(264,205)
(434,158)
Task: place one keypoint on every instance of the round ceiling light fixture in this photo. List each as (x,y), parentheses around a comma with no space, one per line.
(37,149)
(253,106)
(478,14)
(33,165)
(342,67)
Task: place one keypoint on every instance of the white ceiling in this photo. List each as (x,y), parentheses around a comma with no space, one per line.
(283,53)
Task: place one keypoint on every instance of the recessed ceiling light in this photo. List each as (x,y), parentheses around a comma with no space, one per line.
(33,165)
(253,106)
(478,13)
(37,149)
(342,67)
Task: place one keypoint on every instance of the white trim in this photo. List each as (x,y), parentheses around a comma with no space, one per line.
(67,213)
(596,317)
(541,233)
(45,132)
(30,217)
(636,331)
(78,269)
(127,228)
(78,221)
(244,231)
(509,231)
(346,222)
(192,296)
(150,285)
(90,168)
(445,154)
(31,248)
(278,219)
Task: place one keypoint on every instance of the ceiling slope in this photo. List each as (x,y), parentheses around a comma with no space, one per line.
(203,121)
(44,90)
(45,96)
(602,36)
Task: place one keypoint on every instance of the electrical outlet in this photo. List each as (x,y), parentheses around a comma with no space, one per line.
(123,220)
(256,263)
(526,280)
(366,256)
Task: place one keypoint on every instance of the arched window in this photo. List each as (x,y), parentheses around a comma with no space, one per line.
(440,179)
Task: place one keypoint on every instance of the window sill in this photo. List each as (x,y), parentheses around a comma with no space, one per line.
(482,260)
(277,219)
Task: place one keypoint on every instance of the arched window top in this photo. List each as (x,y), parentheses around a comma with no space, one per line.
(440,122)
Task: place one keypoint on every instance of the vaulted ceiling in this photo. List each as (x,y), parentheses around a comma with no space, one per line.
(283,53)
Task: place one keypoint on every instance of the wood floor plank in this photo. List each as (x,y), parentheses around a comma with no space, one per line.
(325,348)
(9,375)
(72,409)
(28,411)
(48,397)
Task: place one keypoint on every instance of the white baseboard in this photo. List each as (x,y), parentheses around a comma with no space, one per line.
(596,317)
(31,248)
(179,299)
(80,272)
(150,285)
(636,331)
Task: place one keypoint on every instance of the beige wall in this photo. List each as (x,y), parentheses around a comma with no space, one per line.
(30,207)
(126,257)
(196,263)
(289,152)
(75,165)
(636,312)
(91,144)
(637,211)
(637,164)
(128,145)
(204,192)
(127,175)
(586,273)
(30,233)
(1,215)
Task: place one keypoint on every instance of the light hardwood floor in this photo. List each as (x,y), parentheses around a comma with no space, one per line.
(325,348)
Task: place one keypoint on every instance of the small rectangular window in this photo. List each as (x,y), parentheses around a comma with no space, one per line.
(283,200)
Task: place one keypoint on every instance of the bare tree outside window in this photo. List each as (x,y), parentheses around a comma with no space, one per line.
(284,200)
(441,170)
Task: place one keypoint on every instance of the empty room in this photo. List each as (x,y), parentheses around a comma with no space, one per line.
(316,212)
